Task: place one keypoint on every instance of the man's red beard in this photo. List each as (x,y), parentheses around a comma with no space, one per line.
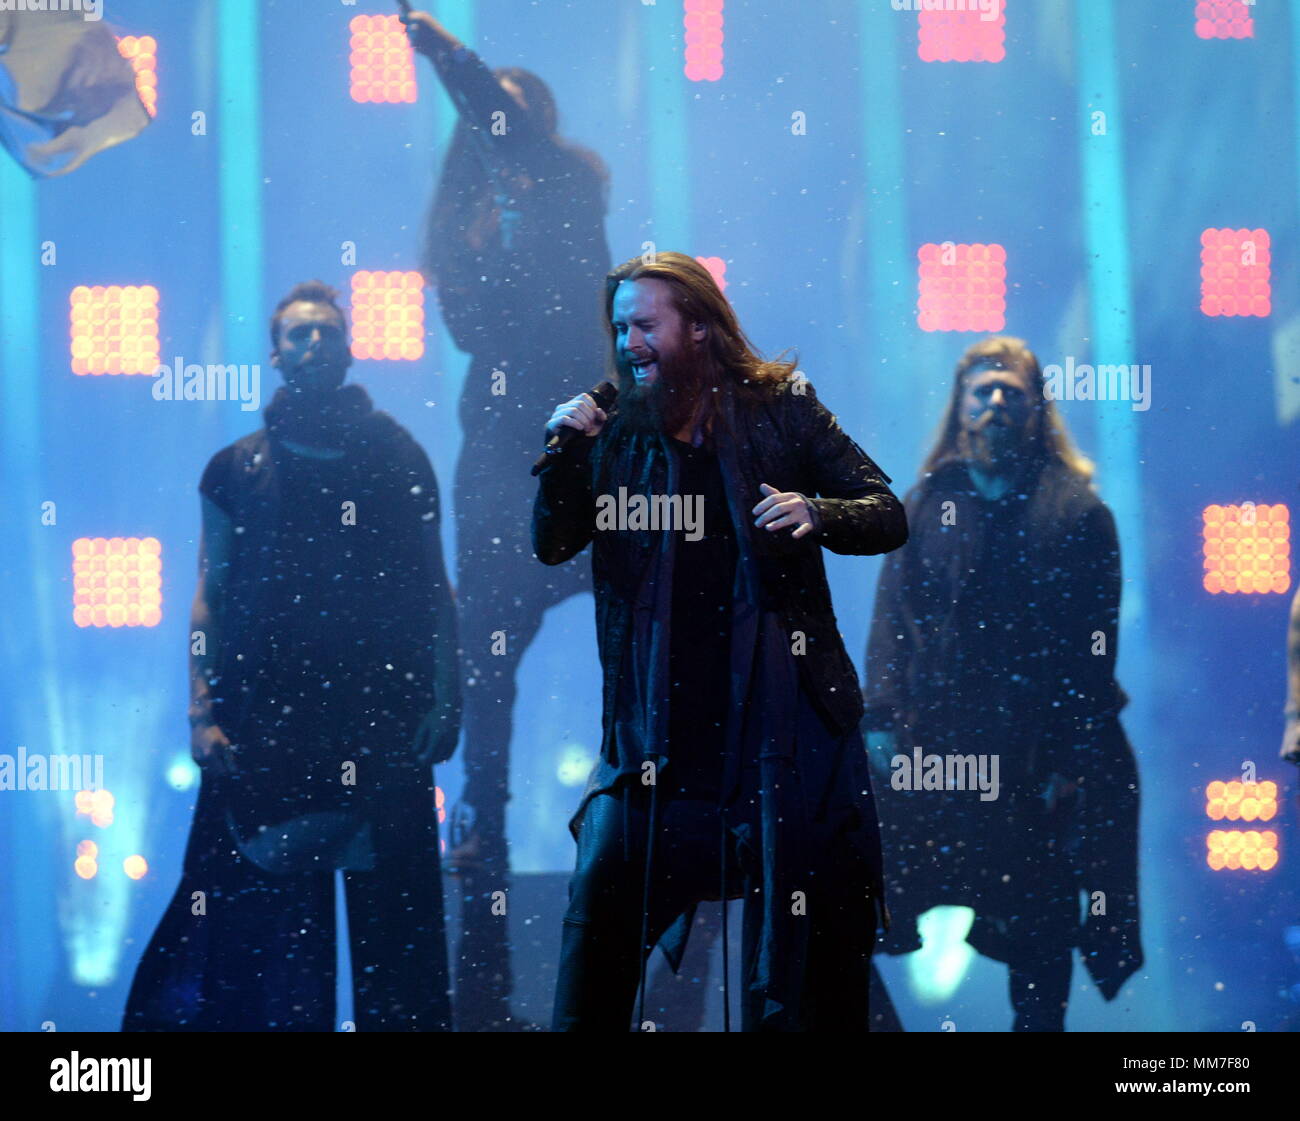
(671,403)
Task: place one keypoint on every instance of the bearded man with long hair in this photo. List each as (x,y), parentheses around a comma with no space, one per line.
(993,651)
(731,761)
(515,250)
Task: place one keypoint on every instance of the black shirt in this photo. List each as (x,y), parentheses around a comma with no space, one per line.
(997,596)
(337,593)
(343,613)
(700,646)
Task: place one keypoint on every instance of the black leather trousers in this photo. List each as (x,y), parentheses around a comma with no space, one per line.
(600,966)
(612,921)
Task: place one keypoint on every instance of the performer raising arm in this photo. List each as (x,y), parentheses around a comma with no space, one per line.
(516,252)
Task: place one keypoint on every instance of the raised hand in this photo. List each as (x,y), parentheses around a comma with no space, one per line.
(427,35)
(579,412)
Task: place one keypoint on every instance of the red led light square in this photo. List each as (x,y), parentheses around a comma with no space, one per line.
(1235,272)
(717,269)
(962,36)
(383,63)
(142,52)
(703,22)
(114,330)
(116,581)
(1247,549)
(962,287)
(1224,19)
(388,315)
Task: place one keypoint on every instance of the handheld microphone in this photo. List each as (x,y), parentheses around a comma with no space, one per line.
(605,394)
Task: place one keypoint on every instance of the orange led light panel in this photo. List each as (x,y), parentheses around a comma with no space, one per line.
(1224,19)
(1250,851)
(87,862)
(1247,549)
(388,315)
(1236,273)
(117,581)
(383,63)
(1241,801)
(142,53)
(961,36)
(114,329)
(962,287)
(703,23)
(717,269)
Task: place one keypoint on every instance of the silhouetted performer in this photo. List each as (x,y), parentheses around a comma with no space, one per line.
(995,634)
(1291,735)
(1291,754)
(516,250)
(323,685)
(731,758)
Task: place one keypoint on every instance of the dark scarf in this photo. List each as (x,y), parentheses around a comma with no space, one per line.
(323,420)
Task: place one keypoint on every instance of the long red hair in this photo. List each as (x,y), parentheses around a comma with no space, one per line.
(729,360)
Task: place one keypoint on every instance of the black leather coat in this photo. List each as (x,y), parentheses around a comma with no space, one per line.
(786,439)
(811,776)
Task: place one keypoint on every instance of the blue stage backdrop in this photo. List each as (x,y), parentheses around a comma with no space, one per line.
(1064,170)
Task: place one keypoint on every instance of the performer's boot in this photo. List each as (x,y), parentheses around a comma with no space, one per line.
(600,968)
(599,973)
(1040,990)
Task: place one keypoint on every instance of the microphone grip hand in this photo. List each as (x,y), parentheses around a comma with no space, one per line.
(581,413)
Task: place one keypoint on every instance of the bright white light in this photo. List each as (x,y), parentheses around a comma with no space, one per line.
(183,773)
(937,969)
(574,765)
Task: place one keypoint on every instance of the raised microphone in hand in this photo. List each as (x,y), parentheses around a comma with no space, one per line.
(575,417)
